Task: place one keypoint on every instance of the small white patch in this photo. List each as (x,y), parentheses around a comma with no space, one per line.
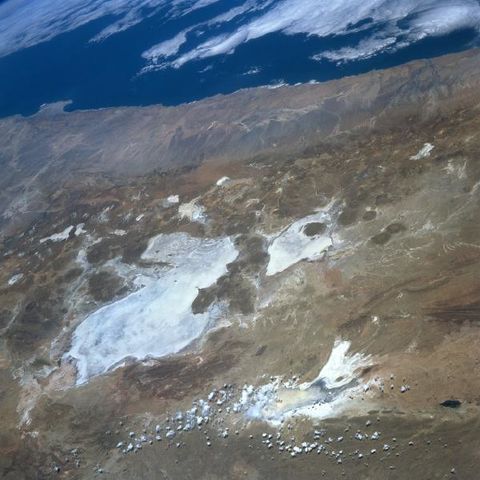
(424,152)
(173,199)
(222,181)
(139,217)
(119,232)
(80,229)
(104,215)
(58,237)
(170,201)
(15,279)
(192,211)
(252,71)
(62,236)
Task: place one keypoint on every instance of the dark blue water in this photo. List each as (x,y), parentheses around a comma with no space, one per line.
(106,74)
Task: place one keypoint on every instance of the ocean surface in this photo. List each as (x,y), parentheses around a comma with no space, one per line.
(103,53)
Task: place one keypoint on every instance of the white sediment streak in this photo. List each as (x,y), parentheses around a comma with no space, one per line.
(340,367)
(65,234)
(293,245)
(424,152)
(156,320)
(15,279)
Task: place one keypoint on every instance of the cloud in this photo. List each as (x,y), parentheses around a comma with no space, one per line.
(400,24)
(393,24)
(171,47)
(422,23)
(365,49)
(167,48)
(25,23)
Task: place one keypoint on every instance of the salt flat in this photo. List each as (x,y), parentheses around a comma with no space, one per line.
(157,319)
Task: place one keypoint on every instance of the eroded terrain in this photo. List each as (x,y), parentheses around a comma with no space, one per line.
(299,315)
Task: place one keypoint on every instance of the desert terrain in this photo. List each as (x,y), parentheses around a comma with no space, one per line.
(275,284)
